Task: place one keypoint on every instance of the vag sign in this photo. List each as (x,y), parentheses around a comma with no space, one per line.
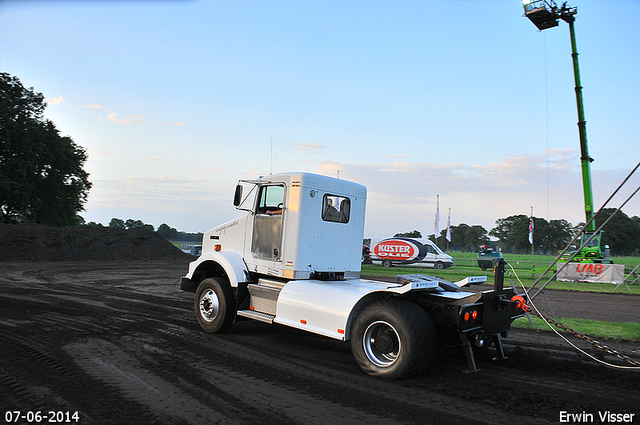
(590,268)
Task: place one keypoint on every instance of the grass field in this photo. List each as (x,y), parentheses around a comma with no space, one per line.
(525,268)
(593,328)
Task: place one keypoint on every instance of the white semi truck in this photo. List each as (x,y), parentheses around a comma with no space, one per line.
(294,258)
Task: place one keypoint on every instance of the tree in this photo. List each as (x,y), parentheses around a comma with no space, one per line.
(117,222)
(548,236)
(475,236)
(130,224)
(513,232)
(622,233)
(42,179)
(560,234)
(167,232)
(464,237)
(413,234)
(137,224)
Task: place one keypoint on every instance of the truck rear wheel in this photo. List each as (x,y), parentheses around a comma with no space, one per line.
(214,305)
(393,338)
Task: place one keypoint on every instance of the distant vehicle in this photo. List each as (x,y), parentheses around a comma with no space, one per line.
(193,250)
(595,251)
(409,252)
(366,255)
(487,257)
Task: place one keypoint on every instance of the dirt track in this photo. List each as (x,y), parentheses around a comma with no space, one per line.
(118,343)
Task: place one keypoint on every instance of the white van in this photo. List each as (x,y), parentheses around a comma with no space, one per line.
(409,252)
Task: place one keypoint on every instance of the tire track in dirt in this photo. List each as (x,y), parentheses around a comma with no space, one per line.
(119,341)
(113,365)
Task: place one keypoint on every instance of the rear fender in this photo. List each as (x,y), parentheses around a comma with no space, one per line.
(360,305)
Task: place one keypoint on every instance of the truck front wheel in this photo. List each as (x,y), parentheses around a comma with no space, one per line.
(393,338)
(214,305)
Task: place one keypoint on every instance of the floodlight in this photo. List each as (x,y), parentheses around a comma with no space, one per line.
(541,13)
(545,13)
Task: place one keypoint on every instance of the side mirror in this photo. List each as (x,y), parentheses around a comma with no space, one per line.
(237,198)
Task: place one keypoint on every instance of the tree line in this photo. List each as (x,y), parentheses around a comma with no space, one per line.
(622,234)
(511,234)
(163,230)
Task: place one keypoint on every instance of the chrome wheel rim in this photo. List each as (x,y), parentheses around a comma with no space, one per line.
(209,305)
(381,343)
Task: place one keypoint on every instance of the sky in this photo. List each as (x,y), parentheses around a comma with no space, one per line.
(461,100)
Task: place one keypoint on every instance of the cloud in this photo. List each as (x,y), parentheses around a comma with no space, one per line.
(307,147)
(91,106)
(402,194)
(131,119)
(55,100)
(176,123)
(98,152)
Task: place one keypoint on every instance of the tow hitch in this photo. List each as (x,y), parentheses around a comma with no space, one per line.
(500,307)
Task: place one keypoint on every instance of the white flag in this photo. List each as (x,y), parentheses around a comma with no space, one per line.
(531,231)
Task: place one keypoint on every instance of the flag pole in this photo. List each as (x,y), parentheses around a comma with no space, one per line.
(533,268)
(436,227)
(448,233)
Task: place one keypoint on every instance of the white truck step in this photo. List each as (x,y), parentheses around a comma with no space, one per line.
(251,314)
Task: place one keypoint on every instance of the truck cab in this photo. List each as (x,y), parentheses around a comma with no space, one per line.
(296,226)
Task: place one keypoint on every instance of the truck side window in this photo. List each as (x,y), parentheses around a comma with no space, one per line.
(336,208)
(271,200)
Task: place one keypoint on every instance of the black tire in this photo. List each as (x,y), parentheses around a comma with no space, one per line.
(393,338)
(215,305)
(386,263)
(439,265)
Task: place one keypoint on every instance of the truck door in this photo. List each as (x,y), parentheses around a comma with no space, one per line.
(266,240)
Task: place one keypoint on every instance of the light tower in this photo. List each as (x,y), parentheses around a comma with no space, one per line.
(545,14)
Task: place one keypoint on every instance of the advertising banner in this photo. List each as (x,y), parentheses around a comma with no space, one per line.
(404,250)
(591,272)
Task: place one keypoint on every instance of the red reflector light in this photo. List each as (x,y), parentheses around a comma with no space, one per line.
(474,314)
(466,316)
(304,322)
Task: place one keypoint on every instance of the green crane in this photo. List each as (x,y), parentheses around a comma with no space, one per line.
(545,14)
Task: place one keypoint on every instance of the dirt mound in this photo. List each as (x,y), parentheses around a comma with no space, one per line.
(44,243)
